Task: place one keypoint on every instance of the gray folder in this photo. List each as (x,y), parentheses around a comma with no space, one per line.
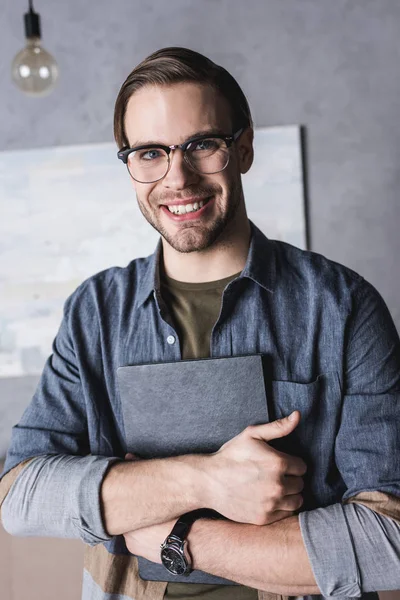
(191,406)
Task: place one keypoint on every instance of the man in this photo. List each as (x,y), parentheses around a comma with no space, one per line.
(216,287)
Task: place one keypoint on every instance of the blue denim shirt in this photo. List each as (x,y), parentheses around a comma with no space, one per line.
(331,346)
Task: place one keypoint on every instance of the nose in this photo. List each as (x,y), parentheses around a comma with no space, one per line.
(179,175)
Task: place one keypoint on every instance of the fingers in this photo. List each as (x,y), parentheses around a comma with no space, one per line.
(275,429)
(290,503)
(130,456)
(294,466)
(278,515)
(292,485)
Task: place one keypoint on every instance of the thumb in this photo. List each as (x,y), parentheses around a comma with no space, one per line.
(276,429)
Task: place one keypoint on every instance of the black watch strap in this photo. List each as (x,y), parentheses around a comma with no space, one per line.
(183,524)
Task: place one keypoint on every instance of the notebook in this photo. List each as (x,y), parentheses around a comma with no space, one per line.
(189,406)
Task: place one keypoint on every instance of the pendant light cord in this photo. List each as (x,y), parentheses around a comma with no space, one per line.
(31,5)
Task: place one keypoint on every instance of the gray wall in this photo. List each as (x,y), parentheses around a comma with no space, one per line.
(331,66)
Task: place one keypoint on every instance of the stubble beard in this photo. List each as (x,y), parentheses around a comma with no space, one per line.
(197,238)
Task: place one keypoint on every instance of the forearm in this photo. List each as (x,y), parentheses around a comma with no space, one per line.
(57,496)
(271,557)
(143,493)
(336,551)
(94,498)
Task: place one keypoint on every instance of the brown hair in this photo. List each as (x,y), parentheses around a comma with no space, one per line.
(177,65)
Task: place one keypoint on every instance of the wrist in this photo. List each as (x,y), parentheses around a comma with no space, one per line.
(212,493)
(199,543)
(197,481)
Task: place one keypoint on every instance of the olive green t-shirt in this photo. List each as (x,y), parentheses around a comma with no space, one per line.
(195,308)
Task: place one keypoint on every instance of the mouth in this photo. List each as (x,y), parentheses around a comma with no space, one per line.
(186,210)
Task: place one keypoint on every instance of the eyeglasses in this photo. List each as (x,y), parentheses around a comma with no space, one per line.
(206,154)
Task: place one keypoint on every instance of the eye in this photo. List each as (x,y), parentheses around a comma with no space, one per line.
(151,154)
(205,145)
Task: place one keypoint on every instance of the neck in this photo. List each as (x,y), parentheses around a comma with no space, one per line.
(224,258)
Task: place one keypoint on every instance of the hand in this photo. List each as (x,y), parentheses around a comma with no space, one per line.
(251,482)
(147,542)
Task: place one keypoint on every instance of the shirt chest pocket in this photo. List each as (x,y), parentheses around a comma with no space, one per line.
(319,403)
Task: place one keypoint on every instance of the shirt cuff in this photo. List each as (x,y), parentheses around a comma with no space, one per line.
(330,549)
(58,496)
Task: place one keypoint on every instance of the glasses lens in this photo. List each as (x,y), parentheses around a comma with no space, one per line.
(148,165)
(208,156)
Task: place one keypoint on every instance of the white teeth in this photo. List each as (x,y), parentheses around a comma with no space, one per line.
(181,209)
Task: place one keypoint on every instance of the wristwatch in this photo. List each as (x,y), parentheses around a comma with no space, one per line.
(174,551)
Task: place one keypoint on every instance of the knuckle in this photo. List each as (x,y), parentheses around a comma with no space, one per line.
(260,520)
(249,430)
(278,491)
(270,506)
(303,467)
(280,464)
(297,501)
(280,423)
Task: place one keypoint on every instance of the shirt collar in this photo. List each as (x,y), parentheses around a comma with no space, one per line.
(260,266)
(150,282)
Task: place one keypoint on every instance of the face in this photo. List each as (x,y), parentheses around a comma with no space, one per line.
(171,115)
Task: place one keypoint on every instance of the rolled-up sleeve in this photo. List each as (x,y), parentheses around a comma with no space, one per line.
(363,553)
(352,549)
(57,492)
(58,496)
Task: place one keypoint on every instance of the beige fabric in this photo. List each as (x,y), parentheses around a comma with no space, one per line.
(384,504)
(119,575)
(9,478)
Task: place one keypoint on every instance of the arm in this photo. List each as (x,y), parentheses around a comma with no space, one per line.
(350,548)
(55,496)
(345,549)
(246,481)
(52,486)
(143,493)
(337,551)
(91,498)
(363,553)
(366,452)
(50,480)
(270,558)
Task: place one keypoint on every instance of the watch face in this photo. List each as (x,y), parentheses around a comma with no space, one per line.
(173,561)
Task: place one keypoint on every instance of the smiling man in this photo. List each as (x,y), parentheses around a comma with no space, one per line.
(311,498)
(190,192)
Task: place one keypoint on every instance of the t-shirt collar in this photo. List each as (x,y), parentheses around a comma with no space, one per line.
(260,266)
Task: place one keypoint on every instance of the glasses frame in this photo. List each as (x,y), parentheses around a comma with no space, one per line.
(124,153)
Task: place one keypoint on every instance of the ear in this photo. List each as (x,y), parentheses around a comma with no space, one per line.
(245,150)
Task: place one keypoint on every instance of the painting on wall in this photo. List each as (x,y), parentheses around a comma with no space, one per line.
(69,212)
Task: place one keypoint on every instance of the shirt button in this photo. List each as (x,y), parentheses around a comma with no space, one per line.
(171,339)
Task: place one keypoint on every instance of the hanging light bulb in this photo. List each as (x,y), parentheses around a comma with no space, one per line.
(34,70)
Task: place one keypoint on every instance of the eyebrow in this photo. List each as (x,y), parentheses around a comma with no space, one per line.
(194,135)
